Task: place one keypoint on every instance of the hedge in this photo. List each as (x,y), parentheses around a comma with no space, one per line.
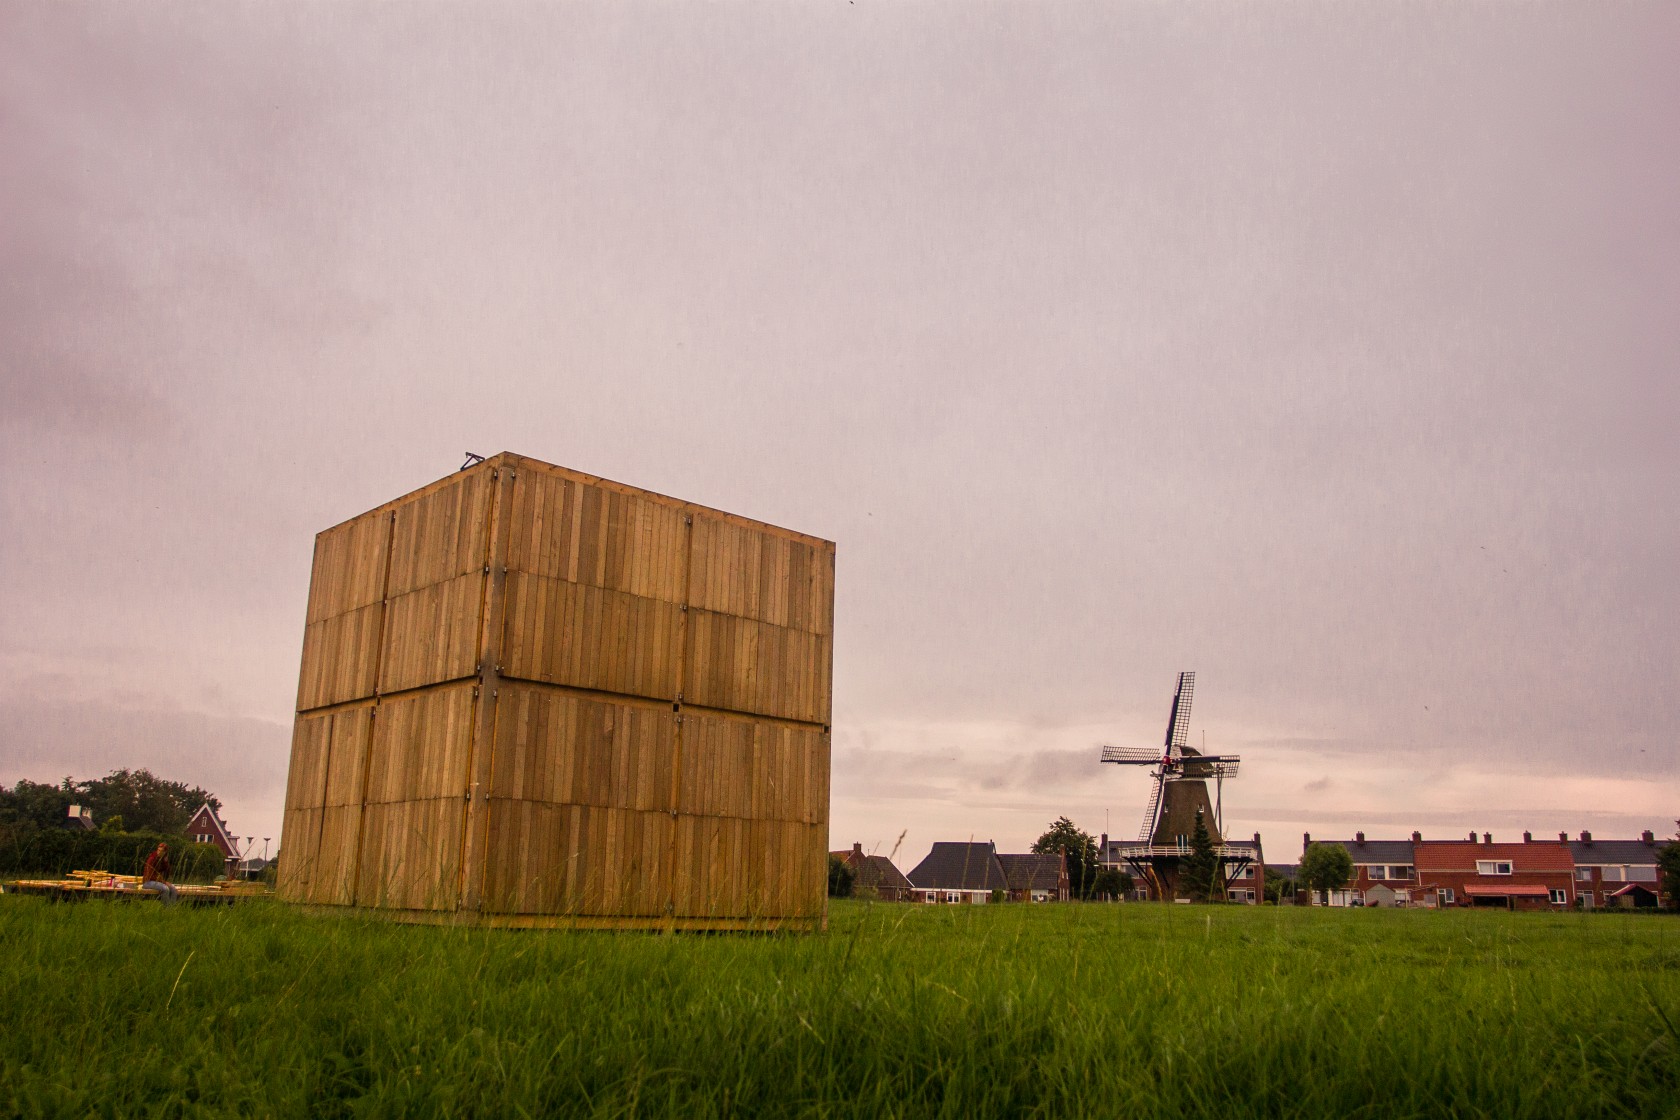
(52,853)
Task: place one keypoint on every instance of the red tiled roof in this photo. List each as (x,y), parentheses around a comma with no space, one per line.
(1507,890)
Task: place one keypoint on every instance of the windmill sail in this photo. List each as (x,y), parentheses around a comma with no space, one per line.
(1178,724)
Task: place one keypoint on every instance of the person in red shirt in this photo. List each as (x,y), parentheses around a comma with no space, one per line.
(155,877)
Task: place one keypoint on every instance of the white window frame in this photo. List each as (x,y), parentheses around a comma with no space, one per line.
(1493,867)
(1445,896)
(1559,896)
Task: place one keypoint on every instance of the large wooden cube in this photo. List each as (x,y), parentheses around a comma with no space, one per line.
(534,697)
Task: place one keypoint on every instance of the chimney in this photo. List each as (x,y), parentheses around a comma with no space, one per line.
(1472,836)
(1647,836)
(1417,837)
(1586,837)
(1359,838)
(1563,838)
(1306,840)
(1487,837)
(857,852)
(1528,837)
(1256,839)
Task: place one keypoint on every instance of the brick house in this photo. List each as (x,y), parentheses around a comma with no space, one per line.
(1036,878)
(207,828)
(1532,875)
(875,875)
(1383,871)
(1604,869)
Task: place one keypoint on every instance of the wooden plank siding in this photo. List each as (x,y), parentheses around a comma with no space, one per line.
(531,696)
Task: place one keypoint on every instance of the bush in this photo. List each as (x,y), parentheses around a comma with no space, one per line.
(840,877)
(53,853)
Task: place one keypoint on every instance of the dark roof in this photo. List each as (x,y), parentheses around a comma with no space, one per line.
(1614,851)
(1287,870)
(879,871)
(1032,872)
(1375,851)
(957,866)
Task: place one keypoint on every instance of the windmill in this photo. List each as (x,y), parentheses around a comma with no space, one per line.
(1179,791)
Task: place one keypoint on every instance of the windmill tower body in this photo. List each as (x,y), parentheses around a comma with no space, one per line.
(1179,793)
(1179,802)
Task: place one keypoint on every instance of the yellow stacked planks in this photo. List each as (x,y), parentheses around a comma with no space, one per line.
(530,696)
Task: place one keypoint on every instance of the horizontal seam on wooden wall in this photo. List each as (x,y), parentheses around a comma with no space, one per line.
(328,709)
(670,814)
(653,701)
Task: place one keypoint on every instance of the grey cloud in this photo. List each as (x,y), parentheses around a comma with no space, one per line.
(1327,352)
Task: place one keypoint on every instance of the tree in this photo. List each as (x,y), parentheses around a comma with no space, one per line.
(1325,867)
(840,878)
(1111,882)
(1279,887)
(146,802)
(1668,863)
(1081,850)
(29,805)
(1200,879)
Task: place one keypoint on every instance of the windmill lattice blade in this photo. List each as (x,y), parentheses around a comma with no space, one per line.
(1148,828)
(1130,754)
(1178,724)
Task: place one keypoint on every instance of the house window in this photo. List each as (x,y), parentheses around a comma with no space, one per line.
(1444,895)
(1559,896)
(1493,867)
(1183,842)
(1376,871)
(1403,871)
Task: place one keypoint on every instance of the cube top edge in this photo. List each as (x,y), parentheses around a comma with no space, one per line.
(517,462)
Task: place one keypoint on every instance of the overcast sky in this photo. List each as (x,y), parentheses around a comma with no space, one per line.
(1331,351)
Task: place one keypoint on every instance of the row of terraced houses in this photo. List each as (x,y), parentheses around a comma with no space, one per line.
(1583,873)
(1534,874)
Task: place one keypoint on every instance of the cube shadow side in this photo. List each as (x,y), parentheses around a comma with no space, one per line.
(530,696)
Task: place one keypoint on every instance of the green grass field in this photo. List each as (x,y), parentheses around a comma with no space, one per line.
(1135,1010)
